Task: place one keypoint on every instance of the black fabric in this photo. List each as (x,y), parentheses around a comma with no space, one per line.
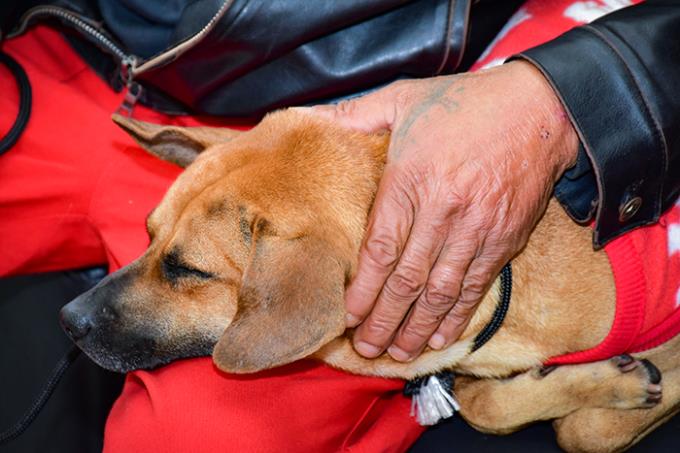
(148,27)
(32,343)
(455,435)
(618,79)
(265,54)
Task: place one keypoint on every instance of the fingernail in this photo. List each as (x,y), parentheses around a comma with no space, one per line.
(398,354)
(351,320)
(367,350)
(437,341)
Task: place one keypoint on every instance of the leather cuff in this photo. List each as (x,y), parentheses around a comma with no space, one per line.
(589,68)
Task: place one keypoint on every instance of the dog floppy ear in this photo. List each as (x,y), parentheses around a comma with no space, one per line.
(179,145)
(290,304)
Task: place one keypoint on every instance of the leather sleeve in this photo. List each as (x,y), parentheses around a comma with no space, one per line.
(619,80)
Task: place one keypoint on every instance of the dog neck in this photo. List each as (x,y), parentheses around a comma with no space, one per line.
(542,301)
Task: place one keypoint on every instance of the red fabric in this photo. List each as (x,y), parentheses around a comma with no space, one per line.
(646,266)
(75,192)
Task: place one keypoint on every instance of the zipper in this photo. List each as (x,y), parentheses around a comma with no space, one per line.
(130,65)
(82,23)
(174,52)
(89,28)
(133,90)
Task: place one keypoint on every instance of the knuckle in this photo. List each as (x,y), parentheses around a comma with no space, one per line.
(456,318)
(475,286)
(412,337)
(405,283)
(378,331)
(468,300)
(382,250)
(438,298)
(465,306)
(456,198)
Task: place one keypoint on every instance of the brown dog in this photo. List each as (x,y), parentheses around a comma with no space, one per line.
(254,243)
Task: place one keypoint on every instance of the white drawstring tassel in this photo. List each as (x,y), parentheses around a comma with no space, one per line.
(432,402)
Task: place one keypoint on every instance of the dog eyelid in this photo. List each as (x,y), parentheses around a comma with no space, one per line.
(173,268)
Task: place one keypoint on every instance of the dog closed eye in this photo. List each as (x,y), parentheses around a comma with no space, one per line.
(174,269)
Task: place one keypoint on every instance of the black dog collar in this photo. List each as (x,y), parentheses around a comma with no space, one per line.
(501,310)
(436,405)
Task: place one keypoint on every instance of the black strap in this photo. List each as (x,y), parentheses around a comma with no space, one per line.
(501,310)
(24,87)
(412,387)
(57,373)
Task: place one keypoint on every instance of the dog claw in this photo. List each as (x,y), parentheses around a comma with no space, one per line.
(546,370)
(652,371)
(625,363)
(653,400)
(654,389)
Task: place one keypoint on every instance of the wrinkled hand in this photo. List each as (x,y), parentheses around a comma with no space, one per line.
(471,165)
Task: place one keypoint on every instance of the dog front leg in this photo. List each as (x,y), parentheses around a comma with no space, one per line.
(610,430)
(501,406)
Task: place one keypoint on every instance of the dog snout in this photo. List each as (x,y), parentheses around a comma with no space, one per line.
(75,323)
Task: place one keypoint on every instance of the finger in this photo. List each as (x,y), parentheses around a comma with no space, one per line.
(402,287)
(440,294)
(369,113)
(476,283)
(389,225)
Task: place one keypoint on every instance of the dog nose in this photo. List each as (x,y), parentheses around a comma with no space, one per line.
(76,325)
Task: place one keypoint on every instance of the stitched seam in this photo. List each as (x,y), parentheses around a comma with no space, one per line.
(666,156)
(449,31)
(659,133)
(466,31)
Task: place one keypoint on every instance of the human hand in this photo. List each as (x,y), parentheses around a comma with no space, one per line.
(471,165)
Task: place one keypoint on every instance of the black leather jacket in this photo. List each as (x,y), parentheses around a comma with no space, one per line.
(619,78)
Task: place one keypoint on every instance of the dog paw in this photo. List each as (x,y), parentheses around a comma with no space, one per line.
(639,385)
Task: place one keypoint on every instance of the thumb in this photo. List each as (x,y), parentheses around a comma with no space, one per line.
(370,113)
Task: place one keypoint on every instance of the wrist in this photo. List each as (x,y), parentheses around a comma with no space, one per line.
(549,113)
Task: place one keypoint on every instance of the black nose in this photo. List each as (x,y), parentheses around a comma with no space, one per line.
(75,324)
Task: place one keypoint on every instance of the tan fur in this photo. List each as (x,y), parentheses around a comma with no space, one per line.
(277,215)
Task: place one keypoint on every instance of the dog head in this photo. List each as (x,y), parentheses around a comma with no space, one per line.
(250,248)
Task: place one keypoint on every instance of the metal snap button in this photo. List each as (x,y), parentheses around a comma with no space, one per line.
(628,209)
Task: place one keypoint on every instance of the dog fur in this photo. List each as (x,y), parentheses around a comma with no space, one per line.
(253,245)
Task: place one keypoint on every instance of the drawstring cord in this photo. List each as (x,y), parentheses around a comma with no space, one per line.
(57,373)
(24,87)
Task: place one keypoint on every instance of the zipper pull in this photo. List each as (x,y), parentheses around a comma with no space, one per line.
(133,90)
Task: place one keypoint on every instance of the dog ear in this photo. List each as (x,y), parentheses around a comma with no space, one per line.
(290,304)
(179,145)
